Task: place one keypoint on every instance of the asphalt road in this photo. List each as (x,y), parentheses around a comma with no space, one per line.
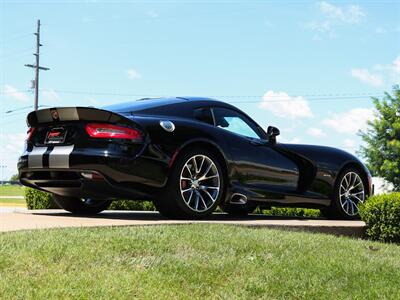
(12,219)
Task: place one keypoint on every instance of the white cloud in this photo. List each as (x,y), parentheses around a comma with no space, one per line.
(13,92)
(50,95)
(333,16)
(349,14)
(396,65)
(380,30)
(11,146)
(152,14)
(316,132)
(133,74)
(349,143)
(350,122)
(367,77)
(283,105)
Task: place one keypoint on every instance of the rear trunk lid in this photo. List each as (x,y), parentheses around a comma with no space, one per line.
(66,125)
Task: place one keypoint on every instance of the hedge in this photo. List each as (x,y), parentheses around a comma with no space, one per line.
(292,212)
(36,199)
(381,215)
(132,205)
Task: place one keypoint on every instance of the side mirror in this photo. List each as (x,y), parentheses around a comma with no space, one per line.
(272,133)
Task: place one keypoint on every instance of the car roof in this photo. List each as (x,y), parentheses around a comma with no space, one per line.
(152,103)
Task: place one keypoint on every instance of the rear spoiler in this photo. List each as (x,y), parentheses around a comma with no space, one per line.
(57,114)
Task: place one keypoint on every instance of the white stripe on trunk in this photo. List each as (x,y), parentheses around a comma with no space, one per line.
(35,157)
(59,157)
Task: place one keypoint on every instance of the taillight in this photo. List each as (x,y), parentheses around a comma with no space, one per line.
(109,131)
(29,133)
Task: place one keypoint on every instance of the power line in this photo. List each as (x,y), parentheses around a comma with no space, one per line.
(279,98)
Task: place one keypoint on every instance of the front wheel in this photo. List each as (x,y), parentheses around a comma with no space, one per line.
(81,206)
(195,186)
(349,193)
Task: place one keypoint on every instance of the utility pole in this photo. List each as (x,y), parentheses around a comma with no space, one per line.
(37,67)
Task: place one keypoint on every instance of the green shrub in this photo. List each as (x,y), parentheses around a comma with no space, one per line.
(36,199)
(381,215)
(131,205)
(292,212)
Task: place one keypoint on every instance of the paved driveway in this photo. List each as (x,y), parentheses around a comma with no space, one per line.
(20,219)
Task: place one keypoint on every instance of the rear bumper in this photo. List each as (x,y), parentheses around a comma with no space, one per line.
(72,183)
(122,175)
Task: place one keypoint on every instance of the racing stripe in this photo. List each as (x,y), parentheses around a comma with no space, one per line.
(68,114)
(59,157)
(35,157)
(45,159)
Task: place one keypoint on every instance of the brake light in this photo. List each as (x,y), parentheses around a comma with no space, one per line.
(29,133)
(109,131)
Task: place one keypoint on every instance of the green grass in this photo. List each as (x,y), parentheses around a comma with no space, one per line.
(11,190)
(11,201)
(194,262)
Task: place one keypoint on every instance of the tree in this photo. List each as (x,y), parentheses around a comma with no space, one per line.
(14,177)
(382,139)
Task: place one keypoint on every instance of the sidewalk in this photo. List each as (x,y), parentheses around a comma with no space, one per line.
(22,219)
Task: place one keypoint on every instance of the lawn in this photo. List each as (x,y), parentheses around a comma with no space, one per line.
(194,262)
(11,190)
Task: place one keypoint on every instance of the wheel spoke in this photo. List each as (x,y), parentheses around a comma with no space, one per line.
(201,164)
(208,170)
(347,182)
(190,172)
(190,198)
(209,195)
(199,168)
(362,192)
(351,181)
(208,177)
(197,201)
(357,198)
(202,200)
(195,165)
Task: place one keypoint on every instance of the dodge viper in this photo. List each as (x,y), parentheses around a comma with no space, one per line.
(186,154)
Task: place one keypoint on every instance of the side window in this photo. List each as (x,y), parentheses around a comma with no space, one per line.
(203,114)
(235,122)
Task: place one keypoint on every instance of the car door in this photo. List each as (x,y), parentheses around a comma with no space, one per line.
(259,166)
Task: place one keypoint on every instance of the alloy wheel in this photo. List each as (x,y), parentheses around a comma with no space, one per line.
(351,193)
(200,183)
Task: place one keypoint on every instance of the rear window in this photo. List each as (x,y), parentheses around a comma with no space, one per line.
(142,104)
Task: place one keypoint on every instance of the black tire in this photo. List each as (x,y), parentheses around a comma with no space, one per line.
(170,202)
(239,210)
(336,209)
(80,206)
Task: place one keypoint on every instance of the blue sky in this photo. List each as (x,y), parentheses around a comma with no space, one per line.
(306,67)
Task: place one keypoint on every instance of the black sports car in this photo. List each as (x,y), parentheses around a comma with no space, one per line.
(187,155)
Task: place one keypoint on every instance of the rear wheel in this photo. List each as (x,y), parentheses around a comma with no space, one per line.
(349,193)
(81,206)
(195,186)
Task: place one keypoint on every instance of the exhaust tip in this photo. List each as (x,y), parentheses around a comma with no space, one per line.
(238,198)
